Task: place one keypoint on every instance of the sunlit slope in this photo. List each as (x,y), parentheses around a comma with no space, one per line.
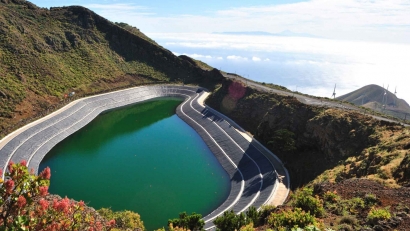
(374,97)
(46,53)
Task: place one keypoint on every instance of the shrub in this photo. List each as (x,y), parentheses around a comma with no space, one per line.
(345,207)
(305,200)
(350,220)
(375,215)
(253,215)
(344,227)
(264,212)
(370,199)
(123,219)
(24,205)
(229,221)
(291,219)
(172,228)
(311,228)
(283,139)
(248,227)
(191,222)
(331,196)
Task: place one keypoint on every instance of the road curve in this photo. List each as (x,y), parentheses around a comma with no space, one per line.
(255,173)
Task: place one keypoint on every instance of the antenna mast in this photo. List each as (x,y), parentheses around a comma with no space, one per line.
(334,92)
(386,94)
(395,94)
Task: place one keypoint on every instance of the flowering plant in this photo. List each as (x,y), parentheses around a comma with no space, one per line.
(25,205)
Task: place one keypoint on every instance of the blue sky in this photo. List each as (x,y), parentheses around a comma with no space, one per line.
(166,8)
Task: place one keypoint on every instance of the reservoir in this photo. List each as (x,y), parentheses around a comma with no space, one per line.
(142,158)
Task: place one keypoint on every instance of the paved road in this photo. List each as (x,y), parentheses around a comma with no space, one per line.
(308,100)
(254,179)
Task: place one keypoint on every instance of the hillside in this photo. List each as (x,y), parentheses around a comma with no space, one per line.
(343,156)
(373,97)
(46,54)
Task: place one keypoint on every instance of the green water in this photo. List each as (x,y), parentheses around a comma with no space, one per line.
(142,158)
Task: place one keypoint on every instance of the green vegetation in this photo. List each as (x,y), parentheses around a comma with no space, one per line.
(378,214)
(191,222)
(305,200)
(283,140)
(26,205)
(291,219)
(325,146)
(45,54)
(124,220)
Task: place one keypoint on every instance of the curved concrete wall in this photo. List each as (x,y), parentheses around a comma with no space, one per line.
(254,179)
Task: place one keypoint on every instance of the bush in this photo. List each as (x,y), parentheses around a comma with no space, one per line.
(229,221)
(264,212)
(376,215)
(191,222)
(283,140)
(291,219)
(304,199)
(253,215)
(123,219)
(350,220)
(331,197)
(344,227)
(370,199)
(248,227)
(24,205)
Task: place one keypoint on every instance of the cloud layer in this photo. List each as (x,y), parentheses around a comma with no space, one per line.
(375,20)
(312,64)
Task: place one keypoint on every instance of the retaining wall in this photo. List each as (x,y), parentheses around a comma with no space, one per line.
(253,178)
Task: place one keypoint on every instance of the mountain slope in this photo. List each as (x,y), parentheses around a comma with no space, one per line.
(45,54)
(374,97)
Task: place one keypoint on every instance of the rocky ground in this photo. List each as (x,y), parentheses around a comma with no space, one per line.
(398,201)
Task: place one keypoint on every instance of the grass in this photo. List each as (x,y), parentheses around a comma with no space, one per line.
(44,54)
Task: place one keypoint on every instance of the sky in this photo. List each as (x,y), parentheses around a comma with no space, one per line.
(349,42)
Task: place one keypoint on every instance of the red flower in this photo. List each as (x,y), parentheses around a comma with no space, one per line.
(64,205)
(43,190)
(10,166)
(111,223)
(55,204)
(21,201)
(24,163)
(46,173)
(81,204)
(98,226)
(1,172)
(44,204)
(9,186)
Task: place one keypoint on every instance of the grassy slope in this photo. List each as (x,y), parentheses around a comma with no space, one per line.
(329,148)
(329,144)
(45,54)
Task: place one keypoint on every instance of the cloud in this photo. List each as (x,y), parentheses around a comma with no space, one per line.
(256,59)
(373,20)
(237,58)
(316,64)
(115,7)
(197,56)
